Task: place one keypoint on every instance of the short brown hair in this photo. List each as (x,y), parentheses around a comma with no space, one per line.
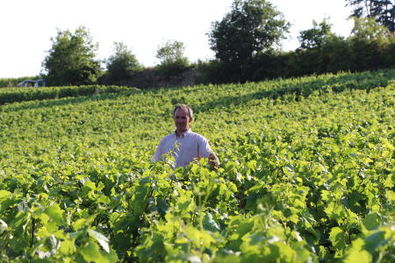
(184,107)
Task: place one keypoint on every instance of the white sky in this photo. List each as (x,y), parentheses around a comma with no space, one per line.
(26,26)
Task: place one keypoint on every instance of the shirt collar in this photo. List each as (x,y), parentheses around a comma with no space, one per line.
(183,134)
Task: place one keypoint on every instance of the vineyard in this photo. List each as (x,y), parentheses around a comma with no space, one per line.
(307,173)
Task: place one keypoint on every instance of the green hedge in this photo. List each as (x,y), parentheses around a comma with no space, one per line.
(9,95)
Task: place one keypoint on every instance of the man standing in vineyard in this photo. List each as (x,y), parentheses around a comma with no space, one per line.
(185,145)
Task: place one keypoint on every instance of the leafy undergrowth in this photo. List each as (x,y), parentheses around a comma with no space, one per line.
(307,175)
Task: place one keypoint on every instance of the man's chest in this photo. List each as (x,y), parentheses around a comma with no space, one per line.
(181,145)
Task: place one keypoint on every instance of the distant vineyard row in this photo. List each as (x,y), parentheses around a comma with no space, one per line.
(9,95)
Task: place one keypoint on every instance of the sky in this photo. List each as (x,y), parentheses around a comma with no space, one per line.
(26,26)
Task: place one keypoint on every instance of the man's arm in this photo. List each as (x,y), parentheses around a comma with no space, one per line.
(158,152)
(207,152)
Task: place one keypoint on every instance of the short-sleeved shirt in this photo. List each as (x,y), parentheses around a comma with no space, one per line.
(185,148)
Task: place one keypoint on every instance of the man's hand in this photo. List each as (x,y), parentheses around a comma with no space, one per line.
(213,161)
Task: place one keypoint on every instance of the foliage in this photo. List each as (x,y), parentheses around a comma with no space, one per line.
(369,47)
(383,11)
(369,30)
(172,59)
(251,27)
(122,64)
(71,59)
(171,52)
(307,175)
(316,36)
(25,94)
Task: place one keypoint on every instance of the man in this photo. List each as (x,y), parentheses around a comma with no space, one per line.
(184,144)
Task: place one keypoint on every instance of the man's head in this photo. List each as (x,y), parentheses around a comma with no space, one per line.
(183,116)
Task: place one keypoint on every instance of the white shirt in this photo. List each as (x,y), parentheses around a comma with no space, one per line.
(185,148)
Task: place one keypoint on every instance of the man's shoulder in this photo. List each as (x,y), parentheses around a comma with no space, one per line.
(197,136)
(167,137)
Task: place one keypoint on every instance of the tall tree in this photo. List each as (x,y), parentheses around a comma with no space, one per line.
(251,27)
(383,11)
(172,58)
(172,52)
(72,59)
(317,36)
(122,64)
(367,29)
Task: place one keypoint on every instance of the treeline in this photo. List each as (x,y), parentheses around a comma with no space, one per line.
(363,50)
(245,43)
(370,46)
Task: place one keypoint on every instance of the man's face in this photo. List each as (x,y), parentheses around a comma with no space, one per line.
(182,119)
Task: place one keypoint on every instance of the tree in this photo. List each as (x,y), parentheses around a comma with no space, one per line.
(172,59)
(71,60)
(316,36)
(383,11)
(122,64)
(172,52)
(368,29)
(368,42)
(251,27)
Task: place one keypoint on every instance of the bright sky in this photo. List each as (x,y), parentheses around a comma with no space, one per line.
(27,26)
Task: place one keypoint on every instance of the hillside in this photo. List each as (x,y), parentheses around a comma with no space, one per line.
(307,173)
